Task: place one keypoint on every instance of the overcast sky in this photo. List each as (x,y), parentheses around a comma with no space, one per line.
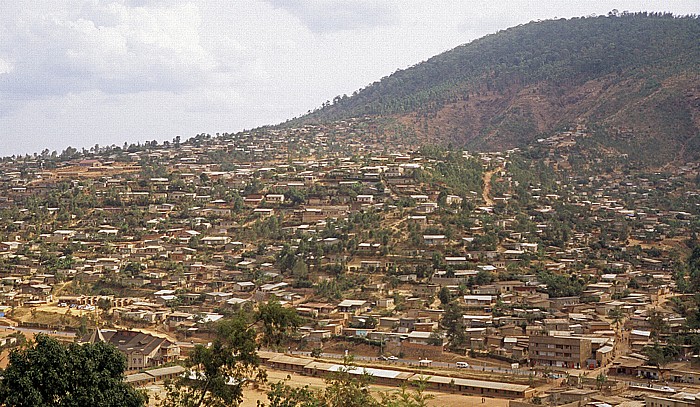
(81,73)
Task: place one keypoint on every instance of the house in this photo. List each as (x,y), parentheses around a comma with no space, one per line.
(9,246)
(264,212)
(420,220)
(244,286)
(215,240)
(155,375)
(455,260)
(385,303)
(318,335)
(426,207)
(453,200)
(423,345)
(671,400)
(365,199)
(353,306)
(479,300)
(433,240)
(253,199)
(274,198)
(142,350)
(420,198)
(313,215)
(162,209)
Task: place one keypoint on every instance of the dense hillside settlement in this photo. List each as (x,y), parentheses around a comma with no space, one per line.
(551,274)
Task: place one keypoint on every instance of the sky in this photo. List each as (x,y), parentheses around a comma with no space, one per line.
(80,73)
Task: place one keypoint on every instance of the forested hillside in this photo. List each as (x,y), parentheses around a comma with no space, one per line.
(636,75)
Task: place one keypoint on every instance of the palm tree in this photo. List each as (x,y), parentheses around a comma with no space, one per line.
(600,380)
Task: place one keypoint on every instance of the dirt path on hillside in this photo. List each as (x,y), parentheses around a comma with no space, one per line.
(486,192)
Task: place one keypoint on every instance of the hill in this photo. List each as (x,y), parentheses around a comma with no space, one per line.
(633,76)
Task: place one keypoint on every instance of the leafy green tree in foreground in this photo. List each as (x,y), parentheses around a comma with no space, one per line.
(218,373)
(48,373)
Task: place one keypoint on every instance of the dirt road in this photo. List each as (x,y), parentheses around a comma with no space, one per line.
(486,192)
(251,397)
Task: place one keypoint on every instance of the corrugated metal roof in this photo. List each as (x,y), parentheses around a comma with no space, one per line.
(289,360)
(356,370)
(164,371)
(472,383)
(137,377)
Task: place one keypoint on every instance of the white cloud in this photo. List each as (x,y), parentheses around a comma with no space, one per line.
(110,47)
(5,67)
(324,16)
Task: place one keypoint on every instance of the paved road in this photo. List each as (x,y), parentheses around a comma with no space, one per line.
(42,331)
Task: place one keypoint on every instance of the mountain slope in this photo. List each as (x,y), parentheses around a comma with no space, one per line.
(637,75)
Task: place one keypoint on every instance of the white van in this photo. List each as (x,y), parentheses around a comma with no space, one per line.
(463,365)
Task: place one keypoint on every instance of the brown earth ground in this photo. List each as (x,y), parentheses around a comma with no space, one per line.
(252,396)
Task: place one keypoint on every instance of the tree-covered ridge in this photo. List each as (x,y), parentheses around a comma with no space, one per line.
(632,76)
(562,51)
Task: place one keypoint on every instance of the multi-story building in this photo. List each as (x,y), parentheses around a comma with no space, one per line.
(559,351)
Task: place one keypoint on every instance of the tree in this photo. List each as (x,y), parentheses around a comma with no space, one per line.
(657,324)
(104,304)
(283,395)
(483,277)
(435,339)
(132,268)
(600,380)
(633,283)
(217,373)
(405,398)
(48,373)
(438,260)
(453,323)
(445,296)
(277,322)
(616,315)
(300,271)
(344,389)
(659,355)
(561,286)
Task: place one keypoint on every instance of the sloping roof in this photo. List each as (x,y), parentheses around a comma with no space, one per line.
(94,336)
(128,341)
(137,377)
(352,303)
(289,360)
(164,371)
